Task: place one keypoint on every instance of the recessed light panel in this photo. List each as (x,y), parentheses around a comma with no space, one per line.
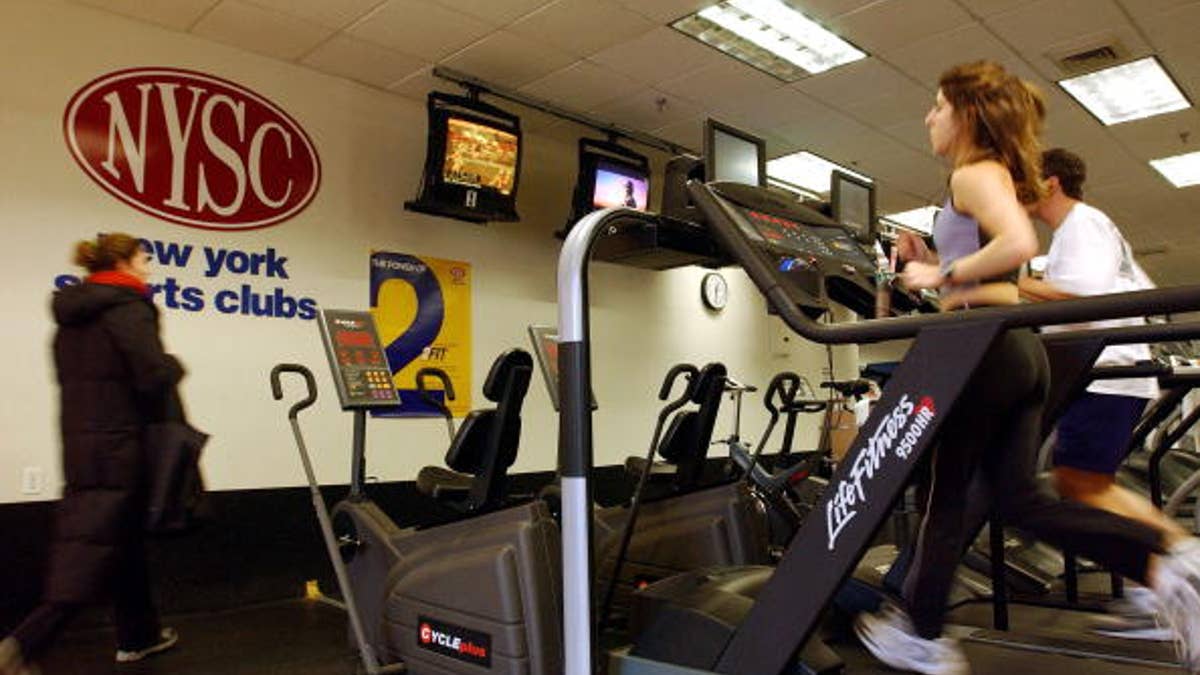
(769,35)
(807,170)
(1127,92)
(1181,170)
(920,219)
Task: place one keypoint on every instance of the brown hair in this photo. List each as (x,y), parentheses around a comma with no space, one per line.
(1068,167)
(1003,115)
(107,249)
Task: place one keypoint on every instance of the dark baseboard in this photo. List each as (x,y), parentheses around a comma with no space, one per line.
(258,546)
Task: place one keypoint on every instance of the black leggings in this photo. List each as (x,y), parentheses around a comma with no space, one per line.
(133,610)
(995,429)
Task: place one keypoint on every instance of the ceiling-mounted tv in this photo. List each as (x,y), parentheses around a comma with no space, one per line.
(472,161)
(609,175)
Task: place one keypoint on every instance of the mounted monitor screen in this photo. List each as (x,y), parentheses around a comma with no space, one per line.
(472,161)
(853,204)
(732,155)
(609,175)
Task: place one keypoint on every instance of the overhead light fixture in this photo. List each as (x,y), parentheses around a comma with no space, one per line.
(1181,170)
(769,35)
(807,170)
(1127,92)
(920,219)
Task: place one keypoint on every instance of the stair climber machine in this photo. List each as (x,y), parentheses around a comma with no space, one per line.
(754,619)
(478,595)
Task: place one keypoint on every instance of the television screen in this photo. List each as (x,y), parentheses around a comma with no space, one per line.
(852,203)
(610,175)
(620,186)
(733,155)
(472,161)
(480,156)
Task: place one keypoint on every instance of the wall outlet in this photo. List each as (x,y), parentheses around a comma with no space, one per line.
(33,480)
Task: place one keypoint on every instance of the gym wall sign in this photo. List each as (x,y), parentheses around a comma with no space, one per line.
(192,149)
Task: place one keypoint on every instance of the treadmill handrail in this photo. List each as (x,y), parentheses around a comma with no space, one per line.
(1096,308)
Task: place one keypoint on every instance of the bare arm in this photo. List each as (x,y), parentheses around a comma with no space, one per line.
(985,191)
(1040,290)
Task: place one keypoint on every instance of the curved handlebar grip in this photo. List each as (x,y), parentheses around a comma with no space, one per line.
(440,374)
(309,380)
(673,374)
(785,385)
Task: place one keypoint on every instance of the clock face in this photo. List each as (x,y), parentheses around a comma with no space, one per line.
(714,291)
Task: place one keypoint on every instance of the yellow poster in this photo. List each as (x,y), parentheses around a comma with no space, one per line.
(422,308)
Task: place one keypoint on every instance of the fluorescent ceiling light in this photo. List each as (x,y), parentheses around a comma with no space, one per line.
(769,35)
(1181,170)
(1127,92)
(920,219)
(806,170)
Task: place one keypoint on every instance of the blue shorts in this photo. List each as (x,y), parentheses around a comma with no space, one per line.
(1094,431)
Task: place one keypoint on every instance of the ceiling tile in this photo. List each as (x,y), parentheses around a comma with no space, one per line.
(822,11)
(1142,8)
(179,15)
(666,11)
(582,27)
(509,60)
(986,8)
(778,111)
(581,86)
(420,28)
(861,82)
(647,109)
(261,30)
(889,24)
(363,61)
(687,133)
(419,84)
(495,11)
(658,55)
(723,81)
(1160,136)
(332,14)
(1029,30)
(1175,28)
(925,60)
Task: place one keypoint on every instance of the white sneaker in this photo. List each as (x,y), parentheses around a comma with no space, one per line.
(1177,586)
(167,639)
(1134,617)
(890,637)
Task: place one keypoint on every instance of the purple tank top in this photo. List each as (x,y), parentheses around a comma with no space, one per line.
(957,235)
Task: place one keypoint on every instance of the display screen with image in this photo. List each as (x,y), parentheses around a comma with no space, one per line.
(853,204)
(620,186)
(733,155)
(478,155)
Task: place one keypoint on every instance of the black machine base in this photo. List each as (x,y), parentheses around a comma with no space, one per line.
(688,619)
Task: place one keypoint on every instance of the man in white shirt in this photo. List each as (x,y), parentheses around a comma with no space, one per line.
(1088,256)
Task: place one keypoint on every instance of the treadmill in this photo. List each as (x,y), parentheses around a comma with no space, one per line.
(749,620)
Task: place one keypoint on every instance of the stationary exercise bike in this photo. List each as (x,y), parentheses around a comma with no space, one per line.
(480,594)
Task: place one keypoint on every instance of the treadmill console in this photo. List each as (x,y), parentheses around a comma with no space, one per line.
(360,369)
(815,258)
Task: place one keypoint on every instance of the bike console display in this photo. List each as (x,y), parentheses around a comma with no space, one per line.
(360,369)
(815,258)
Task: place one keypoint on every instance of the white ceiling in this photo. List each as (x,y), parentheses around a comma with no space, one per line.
(617,60)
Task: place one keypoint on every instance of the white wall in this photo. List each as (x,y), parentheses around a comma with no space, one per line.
(371,145)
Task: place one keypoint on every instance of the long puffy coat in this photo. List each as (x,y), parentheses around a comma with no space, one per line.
(115,378)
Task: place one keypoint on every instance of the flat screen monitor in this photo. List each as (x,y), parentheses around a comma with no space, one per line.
(852,202)
(472,161)
(733,155)
(609,175)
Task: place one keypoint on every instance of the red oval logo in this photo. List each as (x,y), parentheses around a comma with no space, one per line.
(192,148)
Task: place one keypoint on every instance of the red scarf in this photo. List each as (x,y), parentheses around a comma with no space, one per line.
(118,278)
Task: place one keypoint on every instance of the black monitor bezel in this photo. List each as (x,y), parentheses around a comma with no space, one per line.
(592,153)
(711,126)
(440,197)
(836,178)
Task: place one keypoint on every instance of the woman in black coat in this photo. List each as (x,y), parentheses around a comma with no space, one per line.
(115,379)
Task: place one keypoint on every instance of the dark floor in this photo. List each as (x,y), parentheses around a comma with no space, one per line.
(309,638)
